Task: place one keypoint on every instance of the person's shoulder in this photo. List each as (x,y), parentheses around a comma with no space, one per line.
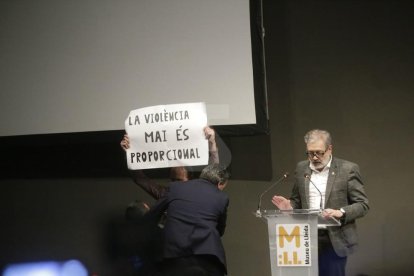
(185,185)
(222,197)
(225,196)
(344,163)
(302,164)
(176,184)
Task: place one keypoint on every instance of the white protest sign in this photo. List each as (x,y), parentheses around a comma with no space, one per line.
(167,136)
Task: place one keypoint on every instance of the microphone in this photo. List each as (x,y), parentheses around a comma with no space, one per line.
(307,176)
(258,212)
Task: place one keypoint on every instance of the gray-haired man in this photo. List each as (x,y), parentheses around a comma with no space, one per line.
(343,197)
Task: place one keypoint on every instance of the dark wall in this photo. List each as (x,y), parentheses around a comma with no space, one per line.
(348,67)
(345,66)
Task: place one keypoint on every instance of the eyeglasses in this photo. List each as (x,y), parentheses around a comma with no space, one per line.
(318,154)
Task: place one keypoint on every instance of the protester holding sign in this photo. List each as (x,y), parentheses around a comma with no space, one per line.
(176,136)
(180,173)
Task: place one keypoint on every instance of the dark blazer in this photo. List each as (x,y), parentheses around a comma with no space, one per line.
(343,190)
(196,219)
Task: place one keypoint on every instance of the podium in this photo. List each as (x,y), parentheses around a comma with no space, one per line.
(293,240)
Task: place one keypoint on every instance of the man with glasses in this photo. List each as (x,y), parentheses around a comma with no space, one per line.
(334,185)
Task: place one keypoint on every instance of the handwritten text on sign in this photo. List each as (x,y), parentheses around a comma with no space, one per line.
(167,136)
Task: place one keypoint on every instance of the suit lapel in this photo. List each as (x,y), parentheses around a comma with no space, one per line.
(333,171)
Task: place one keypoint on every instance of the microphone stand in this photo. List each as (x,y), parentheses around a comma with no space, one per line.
(307,176)
(258,211)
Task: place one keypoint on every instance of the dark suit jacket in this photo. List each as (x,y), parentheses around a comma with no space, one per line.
(196,219)
(343,190)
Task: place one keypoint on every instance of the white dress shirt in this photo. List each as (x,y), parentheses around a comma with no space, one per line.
(320,179)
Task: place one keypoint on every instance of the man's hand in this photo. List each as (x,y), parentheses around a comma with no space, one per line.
(327,213)
(281,203)
(125,142)
(211,137)
(210,134)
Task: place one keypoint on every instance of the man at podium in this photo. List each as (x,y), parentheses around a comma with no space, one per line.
(335,186)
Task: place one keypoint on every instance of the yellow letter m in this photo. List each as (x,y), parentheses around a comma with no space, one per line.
(289,237)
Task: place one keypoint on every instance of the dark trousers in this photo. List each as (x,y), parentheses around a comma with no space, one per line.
(330,264)
(196,265)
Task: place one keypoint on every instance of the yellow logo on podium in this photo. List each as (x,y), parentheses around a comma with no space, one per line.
(293,245)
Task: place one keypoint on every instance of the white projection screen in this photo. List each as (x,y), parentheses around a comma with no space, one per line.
(82,65)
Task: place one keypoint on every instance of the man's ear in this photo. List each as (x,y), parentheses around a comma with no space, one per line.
(221,186)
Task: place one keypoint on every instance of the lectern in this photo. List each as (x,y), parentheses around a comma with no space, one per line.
(293,240)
